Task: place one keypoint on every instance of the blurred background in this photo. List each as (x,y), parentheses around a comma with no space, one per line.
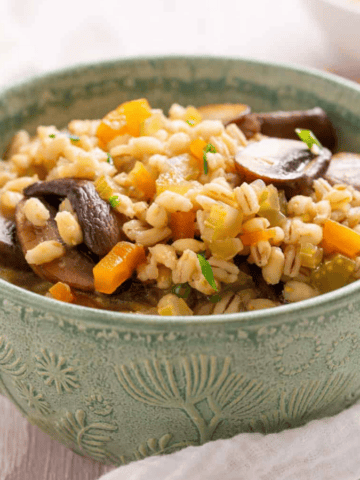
(38,35)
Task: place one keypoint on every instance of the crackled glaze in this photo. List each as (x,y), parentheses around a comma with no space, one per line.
(119,387)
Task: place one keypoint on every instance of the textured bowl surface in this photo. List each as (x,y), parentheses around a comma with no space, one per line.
(121,387)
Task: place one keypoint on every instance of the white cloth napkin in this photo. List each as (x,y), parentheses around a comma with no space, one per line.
(327,449)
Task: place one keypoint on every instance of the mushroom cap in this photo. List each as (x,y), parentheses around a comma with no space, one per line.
(99,223)
(10,249)
(74,268)
(283,124)
(287,164)
(344,168)
(223,111)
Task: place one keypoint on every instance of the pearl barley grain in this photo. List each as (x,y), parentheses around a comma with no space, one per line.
(36,212)
(69,228)
(45,252)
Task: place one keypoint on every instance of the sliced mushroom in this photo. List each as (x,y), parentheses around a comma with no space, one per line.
(287,164)
(99,224)
(74,268)
(10,251)
(59,188)
(283,124)
(223,111)
(344,168)
(249,124)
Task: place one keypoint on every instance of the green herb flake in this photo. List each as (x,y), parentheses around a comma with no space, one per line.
(215,298)
(110,159)
(74,138)
(309,138)
(182,290)
(52,135)
(191,122)
(209,148)
(207,271)
(114,201)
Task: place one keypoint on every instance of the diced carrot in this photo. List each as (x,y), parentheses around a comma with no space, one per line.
(61,291)
(340,239)
(197,149)
(136,112)
(252,238)
(126,118)
(182,225)
(117,266)
(142,179)
(328,246)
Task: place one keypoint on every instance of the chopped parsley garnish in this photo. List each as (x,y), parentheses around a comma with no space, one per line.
(209,148)
(309,138)
(207,271)
(191,122)
(182,290)
(114,201)
(109,159)
(74,138)
(215,298)
(52,135)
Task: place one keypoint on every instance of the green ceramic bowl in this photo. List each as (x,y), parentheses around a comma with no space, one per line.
(119,387)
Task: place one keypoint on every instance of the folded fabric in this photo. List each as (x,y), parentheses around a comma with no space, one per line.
(326,449)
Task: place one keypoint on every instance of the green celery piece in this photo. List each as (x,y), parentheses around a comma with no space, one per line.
(271,200)
(276,218)
(334,273)
(310,255)
(270,207)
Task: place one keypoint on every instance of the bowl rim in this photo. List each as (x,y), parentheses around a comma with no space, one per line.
(87,316)
(106,318)
(11,86)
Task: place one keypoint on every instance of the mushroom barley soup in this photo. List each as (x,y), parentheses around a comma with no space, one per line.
(207,210)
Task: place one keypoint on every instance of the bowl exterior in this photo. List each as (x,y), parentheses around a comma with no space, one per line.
(122,387)
(121,393)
